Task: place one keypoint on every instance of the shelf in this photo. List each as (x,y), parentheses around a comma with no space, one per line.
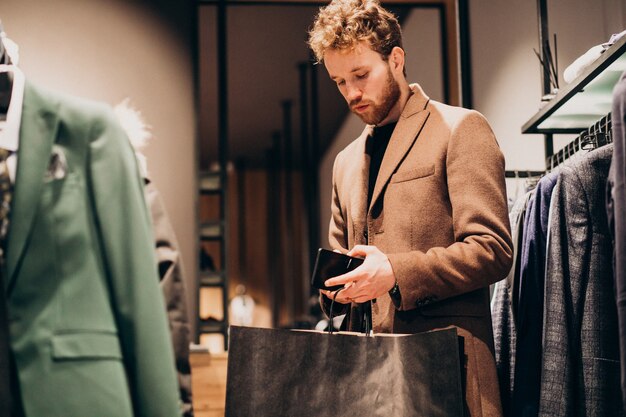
(211,231)
(210,183)
(586,99)
(212,279)
(212,326)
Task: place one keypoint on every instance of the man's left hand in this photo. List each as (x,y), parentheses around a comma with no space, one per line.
(372,279)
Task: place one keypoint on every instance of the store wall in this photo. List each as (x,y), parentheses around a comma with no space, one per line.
(506,74)
(110,50)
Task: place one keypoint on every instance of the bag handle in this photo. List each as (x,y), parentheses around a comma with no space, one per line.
(330,315)
(368,330)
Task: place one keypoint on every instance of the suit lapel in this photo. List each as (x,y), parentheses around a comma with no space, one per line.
(358,191)
(409,125)
(37,133)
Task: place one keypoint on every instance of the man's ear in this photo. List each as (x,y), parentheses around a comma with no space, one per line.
(396,59)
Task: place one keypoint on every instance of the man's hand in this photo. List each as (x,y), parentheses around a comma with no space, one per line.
(367,282)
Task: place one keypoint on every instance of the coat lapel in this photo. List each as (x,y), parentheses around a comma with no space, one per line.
(358,191)
(37,132)
(409,125)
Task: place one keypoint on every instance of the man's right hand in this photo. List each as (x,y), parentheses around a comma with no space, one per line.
(337,294)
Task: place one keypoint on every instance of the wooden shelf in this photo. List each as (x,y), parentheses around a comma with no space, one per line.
(210,183)
(212,279)
(211,231)
(213,326)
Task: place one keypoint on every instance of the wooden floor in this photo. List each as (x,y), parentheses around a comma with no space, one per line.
(208,378)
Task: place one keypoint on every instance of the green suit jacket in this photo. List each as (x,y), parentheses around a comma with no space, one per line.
(87,321)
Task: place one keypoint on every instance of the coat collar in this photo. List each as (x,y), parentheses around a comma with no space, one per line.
(411,120)
(37,134)
(358,190)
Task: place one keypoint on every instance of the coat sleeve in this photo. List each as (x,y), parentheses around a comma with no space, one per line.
(123,226)
(338,229)
(338,239)
(481,253)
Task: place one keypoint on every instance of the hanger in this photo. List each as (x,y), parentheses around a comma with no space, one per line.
(6,77)
(4,56)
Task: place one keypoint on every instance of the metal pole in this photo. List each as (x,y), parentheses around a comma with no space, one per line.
(314,239)
(307,174)
(273,223)
(241,221)
(465,52)
(544,36)
(289,251)
(222,77)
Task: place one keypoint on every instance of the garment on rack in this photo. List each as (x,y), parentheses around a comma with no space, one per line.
(529,317)
(616,211)
(174,292)
(9,138)
(172,278)
(585,60)
(88,326)
(503,309)
(580,361)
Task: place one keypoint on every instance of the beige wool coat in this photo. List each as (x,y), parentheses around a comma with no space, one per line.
(439,212)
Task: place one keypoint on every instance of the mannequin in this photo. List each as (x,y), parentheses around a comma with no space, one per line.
(89,334)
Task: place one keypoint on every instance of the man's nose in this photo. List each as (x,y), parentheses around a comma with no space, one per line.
(353,93)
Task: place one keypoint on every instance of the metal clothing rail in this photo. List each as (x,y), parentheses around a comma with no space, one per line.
(597,135)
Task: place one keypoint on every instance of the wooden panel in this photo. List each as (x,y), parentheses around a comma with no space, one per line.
(208,379)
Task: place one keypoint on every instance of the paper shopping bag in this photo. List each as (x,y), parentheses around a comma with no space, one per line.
(288,373)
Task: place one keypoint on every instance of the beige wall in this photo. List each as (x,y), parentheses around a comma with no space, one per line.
(109,50)
(506,72)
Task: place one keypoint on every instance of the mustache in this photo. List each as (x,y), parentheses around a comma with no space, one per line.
(356,103)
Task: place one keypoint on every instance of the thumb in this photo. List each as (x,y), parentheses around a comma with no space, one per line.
(360,250)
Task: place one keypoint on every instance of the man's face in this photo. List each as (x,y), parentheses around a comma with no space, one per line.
(365,80)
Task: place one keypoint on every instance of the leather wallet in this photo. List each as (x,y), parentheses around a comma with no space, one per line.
(329,264)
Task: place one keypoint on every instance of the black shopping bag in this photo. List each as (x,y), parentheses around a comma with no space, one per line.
(287,373)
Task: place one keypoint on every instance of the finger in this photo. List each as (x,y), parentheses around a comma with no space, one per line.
(340,297)
(361,299)
(331,293)
(343,279)
(357,250)
(362,250)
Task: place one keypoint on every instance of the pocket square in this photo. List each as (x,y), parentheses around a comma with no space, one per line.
(57,165)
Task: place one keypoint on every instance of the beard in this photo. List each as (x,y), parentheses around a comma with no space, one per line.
(379,111)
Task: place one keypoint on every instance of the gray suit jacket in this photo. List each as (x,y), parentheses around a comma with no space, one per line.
(502,309)
(580,364)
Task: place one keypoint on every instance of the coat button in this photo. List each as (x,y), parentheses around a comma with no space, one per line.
(365,235)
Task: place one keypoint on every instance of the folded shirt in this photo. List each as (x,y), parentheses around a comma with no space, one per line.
(582,62)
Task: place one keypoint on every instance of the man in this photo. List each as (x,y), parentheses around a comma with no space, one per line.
(420,195)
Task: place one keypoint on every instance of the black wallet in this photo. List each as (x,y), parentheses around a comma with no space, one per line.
(329,264)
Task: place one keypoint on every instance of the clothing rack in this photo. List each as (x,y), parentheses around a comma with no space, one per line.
(599,134)
(523,174)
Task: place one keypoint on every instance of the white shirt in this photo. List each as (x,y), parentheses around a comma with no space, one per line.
(10,129)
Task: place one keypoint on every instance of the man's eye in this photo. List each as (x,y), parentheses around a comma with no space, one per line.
(361,76)
(340,83)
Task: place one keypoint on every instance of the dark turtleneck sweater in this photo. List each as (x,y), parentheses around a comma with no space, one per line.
(376,147)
